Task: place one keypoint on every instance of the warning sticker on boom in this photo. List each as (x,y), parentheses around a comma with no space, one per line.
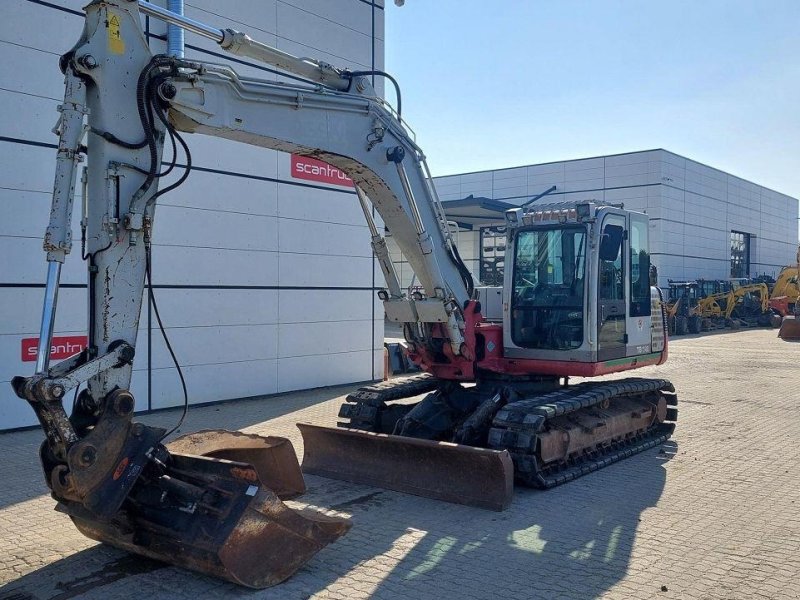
(115,43)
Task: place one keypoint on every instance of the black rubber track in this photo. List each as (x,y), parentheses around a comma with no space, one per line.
(517,425)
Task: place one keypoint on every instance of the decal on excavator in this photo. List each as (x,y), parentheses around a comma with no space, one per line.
(115,42)
(311,169)
(121,468)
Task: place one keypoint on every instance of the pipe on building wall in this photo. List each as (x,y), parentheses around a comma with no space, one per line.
(175,33)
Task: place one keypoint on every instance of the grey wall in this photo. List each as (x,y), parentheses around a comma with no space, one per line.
(265,282)
(692,207)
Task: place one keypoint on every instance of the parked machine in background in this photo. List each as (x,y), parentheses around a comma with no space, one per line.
(709,287)
(711,310)
(786,301)
(576,301)
(748,306)
(788,285)
(706,305)
(682,316)
(786,290)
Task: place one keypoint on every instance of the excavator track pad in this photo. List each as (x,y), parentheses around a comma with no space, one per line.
(441,470)
(236,527)
(557,437)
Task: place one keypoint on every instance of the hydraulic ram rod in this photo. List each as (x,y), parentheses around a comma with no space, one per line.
(241,44)
(58,236)
(48,316)
(186,23)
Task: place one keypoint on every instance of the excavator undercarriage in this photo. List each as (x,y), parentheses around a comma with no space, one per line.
(549,432)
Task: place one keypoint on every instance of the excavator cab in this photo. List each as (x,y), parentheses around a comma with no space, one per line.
(579,289)
(548,294)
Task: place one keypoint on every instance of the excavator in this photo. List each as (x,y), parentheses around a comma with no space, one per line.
(713,302)
(785,301)
(786,291)
(498,402)
(748,305)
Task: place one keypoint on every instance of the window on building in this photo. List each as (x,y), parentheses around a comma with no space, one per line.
(740,254)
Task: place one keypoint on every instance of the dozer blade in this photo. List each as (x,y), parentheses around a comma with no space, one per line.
(235,528)
(790,329)
(439,470)
(272,457)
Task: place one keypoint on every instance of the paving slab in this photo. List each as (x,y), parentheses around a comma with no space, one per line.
(713,513)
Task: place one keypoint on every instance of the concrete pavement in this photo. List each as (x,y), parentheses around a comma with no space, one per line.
(714,513)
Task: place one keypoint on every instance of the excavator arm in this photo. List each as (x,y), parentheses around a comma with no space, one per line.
(357,133)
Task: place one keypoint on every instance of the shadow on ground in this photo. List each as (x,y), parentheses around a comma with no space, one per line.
(246,412)
(574,541)
(23,466)
(99,566)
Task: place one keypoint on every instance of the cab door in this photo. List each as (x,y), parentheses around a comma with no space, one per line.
(611,313)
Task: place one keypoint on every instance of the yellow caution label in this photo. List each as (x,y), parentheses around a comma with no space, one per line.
(115,43)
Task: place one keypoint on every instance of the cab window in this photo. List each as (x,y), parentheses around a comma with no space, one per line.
(640,268)
(548,299)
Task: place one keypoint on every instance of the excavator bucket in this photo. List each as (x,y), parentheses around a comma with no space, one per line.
(240,529)
(272,457)
(790,329)
(440,470)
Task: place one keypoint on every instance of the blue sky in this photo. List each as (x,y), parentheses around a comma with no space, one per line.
(492,84)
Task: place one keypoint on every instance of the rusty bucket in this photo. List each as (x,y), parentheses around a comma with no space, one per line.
(440,470)
(790,329)
(237,528)
(272,457)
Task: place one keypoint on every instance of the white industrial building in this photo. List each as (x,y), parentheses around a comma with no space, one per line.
(262,266)
(704,223)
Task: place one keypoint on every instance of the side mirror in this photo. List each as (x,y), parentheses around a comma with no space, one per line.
(611,242)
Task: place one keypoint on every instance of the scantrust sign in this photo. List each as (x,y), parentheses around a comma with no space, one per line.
(62,347)
(311,169)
